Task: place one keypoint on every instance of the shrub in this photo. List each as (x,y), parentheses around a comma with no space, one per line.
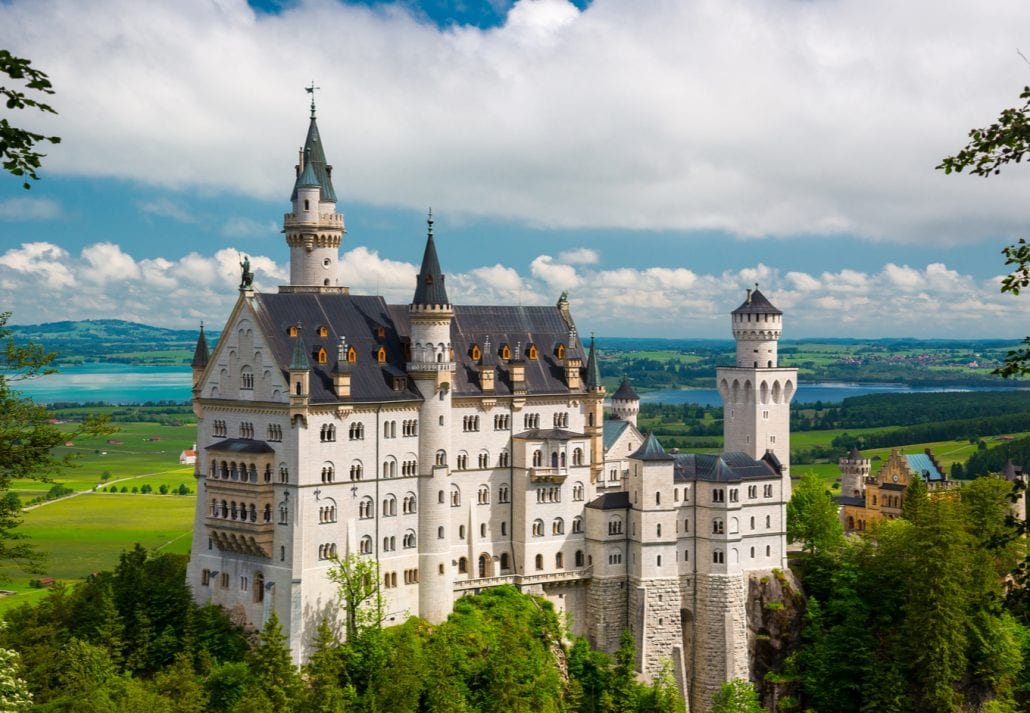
(164,489)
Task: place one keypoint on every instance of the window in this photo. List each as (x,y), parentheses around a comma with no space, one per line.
(579,558)
(326,514)
(321,356)
(504,529)
(352,355)
(538,528)
(484,459)
(355,470)
(381,355)
(246,430)
(559,561)
(461,532)
(659,562)
(284,473)
(561,419)
(504,561)
(503,494)
(767,491)
(577,456)
(752,491)
(717,526)
(225,580)
(538,458)
(482,530)
(389,506)
(284,514)
(328,433)
(718,495)
(323,331)
(483,496)
(718,556)
(409,506)
(615,556)
(657,498)
(659,530)
(615,526)
(275,432)
(409,427)
(463,565)
(475,353)
(559,351)
(505,351)
(356,432)
(531,420)
(455,496)
(327,473)
(768,521)
(539,562)
(247,379)
(389,544)
(441,457)
(558,526)
(734,495)
(502,422)
(439,533)
(577,525)
(409,467)
(470,423)
(532,352)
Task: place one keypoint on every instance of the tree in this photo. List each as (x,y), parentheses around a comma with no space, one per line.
(272,669)
(916,496)
(1005,141)
(357,587)
(812,517)
(18,146)
(27,439)
(14,692)
(736,696)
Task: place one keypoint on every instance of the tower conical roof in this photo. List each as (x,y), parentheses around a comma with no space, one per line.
(651,450)
(299,359)
(593,371)
(756,303)
(307,176)
(625,392)
(430,289)
(315,158)
(201,353)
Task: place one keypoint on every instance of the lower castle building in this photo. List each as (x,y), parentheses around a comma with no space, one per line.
(464,447)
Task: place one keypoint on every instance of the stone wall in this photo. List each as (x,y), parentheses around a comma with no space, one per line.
(606,602)
(720,636)
(654,606)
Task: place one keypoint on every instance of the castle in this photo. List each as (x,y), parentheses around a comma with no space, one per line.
(464,447)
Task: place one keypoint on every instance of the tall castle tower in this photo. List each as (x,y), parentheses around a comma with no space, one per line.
(431,367)
(756,393)
(314,230)
(625,403)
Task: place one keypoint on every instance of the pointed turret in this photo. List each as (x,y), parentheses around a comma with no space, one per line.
(201,355)
(313,155)
(651,450)
(593,370)
(299,359)
(341,371)
(300,379)
(625,403)
(429,291)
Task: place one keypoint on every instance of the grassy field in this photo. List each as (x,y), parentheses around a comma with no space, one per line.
(87,533)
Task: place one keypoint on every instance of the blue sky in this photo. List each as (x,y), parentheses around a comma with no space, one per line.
(652,158)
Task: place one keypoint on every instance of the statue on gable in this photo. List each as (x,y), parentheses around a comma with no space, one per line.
(247,280)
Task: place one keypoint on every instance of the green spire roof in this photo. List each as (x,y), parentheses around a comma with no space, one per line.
(201,353)
(593,371)
(315,158)
(299,360)
(430,290)
(307,177)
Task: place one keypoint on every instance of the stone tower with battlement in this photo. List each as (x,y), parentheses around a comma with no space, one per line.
(854,469)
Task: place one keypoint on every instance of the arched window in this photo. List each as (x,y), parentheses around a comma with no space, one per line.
(259,587)
(531,352)
(538,528)
(718,557)
(505,564)
(577,456)
(455,496)
(355,470)
(558,526)
(483,496)
(365,547)
(463,565)
(615,526)
(539,562)
(559,351)
(410,504)
(381,355)
(615,556)
(718,527)
(441,457)
(409,539)
(559,561)
(323,331)
(577,524)
(475,353)
(389,506)
(538,458)
(366,508)
(321,355)
(352,355)
(579,558)
(505,352)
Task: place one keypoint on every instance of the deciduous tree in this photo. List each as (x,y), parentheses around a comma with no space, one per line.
(18,146)
(812,517)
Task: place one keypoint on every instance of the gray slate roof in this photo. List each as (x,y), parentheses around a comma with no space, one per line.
(619,500)
(723,468)
(429,288)
(651,450)
(313,149)
(625,392)
(549,434)
(593,369)
(757,303)
(240,445)
(854,500)
(201,355)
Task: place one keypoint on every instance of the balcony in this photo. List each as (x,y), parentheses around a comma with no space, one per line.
(241,536)
(548,475)
(560,576)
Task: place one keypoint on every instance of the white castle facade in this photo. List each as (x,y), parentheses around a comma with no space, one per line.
(464,447)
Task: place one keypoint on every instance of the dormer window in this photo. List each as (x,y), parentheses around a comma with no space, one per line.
(429,279)
(380,332)
(505,351)
(321,356)
(323,331)
(352,355)
(532,352)
(292,330)
(559,351)
(475,353)
(381,355)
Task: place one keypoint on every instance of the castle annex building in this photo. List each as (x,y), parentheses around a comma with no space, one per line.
(464,447)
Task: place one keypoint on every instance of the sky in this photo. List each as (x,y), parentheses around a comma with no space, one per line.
(654,159)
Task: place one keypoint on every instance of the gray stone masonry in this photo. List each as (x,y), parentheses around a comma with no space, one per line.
(655,613)
(606,612)
(721,636)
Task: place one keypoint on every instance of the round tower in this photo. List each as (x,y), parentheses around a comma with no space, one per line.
(314,230)
(854,469)
(625,403)
(757,326)
(431,366)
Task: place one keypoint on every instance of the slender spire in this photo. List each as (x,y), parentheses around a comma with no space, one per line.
(430,288)
(307,176)
(316,158)
(299,359)
(593,370)
(201,355)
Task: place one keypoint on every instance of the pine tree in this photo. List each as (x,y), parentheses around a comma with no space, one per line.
(916,497)
(324,672)
(272,669)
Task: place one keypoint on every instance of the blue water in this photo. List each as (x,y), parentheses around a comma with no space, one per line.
(131,384)
(112,383)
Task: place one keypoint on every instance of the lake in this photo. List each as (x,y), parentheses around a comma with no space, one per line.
(131,384)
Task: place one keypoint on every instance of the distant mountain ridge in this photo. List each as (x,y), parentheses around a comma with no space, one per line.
(111,340)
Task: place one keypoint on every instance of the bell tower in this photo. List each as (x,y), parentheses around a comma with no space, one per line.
(314,230)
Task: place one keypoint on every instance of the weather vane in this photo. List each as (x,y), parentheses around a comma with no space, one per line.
(311,90)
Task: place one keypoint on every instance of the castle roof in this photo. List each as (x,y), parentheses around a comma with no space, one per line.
(853,500)
(651,450)
(721,468)
(429,289)
(613,428)
(625,392)
(855,453)
(922,465)
(314,156)
(298,359)
(756,303)
(363,318)
(548,434)
(240,445)
(307,177)
(201,354)
(618,500)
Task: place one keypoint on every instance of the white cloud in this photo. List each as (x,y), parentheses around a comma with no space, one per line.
(29,209)
(755,118)
(580,256)
(893,301)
